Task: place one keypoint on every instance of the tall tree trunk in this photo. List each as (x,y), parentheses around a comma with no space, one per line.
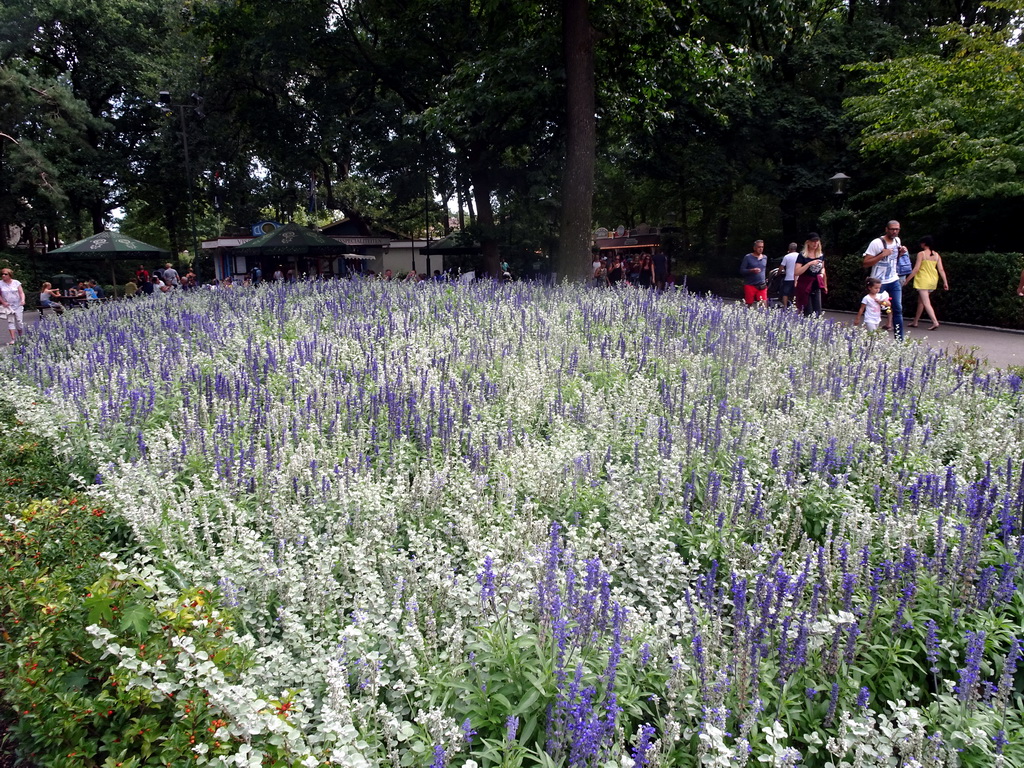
(325,169)
(485,218)
(446,199)
(470,205)
(458,199)
(96,214)
(574,256)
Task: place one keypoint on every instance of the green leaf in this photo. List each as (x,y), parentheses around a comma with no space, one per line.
(99,609)
(525,704)
(137,616)
(74,680)
(526,732)
(537,681)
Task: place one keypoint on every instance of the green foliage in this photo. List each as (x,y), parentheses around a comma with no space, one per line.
(729,117)
(76,704)
(943,121)
(41,122)
(76,98)
(73,703)
(510,675)
(27,464)
(520,671)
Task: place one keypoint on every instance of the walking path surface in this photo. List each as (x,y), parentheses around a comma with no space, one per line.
(993,347)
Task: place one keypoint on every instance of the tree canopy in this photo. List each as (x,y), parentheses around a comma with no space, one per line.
(947,121)
(531,121)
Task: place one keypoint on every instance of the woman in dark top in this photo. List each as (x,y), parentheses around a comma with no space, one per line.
(811,278)
(645,277)
(615,273)
(632,267)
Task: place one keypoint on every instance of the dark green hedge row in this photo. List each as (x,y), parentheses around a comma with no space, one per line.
(982,288)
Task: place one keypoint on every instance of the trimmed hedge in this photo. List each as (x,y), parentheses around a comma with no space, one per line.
(982,288)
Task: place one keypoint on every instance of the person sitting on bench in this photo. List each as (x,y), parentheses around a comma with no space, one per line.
(47,294)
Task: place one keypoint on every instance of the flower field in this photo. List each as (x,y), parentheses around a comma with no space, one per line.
(504,525)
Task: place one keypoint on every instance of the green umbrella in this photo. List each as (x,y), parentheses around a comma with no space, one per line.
(291,240)
(111,246)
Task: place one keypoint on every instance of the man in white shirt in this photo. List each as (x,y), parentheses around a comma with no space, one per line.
(789,279)
(880,257)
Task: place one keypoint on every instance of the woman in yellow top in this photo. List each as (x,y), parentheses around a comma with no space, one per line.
(926,274)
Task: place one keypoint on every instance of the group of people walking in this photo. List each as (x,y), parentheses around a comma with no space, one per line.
(805,279)
(804,276)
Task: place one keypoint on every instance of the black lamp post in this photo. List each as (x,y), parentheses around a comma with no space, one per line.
(838,190)
(426,214)
(839,184)
(165,101)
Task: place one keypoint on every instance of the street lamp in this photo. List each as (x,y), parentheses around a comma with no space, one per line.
(838,189)
(839,183)
(165,101)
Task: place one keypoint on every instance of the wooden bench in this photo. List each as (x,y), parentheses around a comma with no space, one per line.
(51,311)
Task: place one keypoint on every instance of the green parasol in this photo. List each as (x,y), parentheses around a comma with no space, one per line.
(112,246)
(291,240)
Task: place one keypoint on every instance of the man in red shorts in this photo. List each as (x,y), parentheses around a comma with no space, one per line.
(754,271)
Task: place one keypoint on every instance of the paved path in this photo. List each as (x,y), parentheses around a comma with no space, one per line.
(998,346)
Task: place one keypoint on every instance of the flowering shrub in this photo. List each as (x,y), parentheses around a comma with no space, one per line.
(514,525)
(106,664)
(27,460)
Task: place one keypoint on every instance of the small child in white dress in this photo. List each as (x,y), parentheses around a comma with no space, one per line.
(873,305)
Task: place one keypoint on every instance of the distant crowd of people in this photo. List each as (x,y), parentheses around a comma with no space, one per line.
(804,279)
(12,293)
(643,268)
(161,280)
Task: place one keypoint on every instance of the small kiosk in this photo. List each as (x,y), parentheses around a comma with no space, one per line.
(346,247)
(642,237)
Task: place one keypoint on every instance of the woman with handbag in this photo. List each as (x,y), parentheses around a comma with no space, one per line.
(811,278)
(925,276)
(12,300)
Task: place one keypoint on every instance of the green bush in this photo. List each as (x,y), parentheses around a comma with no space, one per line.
(983,288)
(94,653)
(27,465)
(74,702)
